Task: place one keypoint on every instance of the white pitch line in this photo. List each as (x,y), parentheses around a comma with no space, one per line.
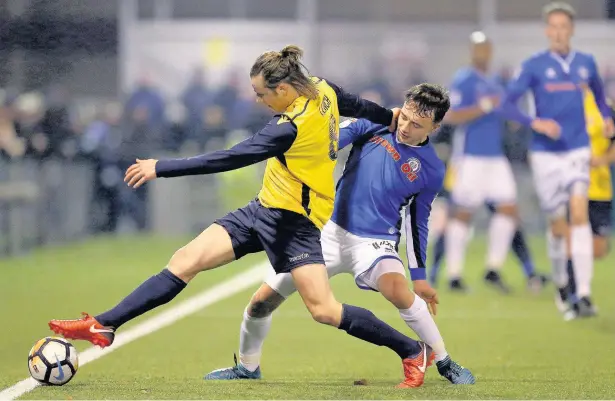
(226,289)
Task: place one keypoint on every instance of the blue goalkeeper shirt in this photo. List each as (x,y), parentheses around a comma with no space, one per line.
(381,177)
(557,83)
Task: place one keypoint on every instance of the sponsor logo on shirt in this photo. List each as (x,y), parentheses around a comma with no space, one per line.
(378,140)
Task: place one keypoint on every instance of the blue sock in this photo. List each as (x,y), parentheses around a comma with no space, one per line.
(438,255)
(155,291)
(363,324)
(572,284)
(519,247)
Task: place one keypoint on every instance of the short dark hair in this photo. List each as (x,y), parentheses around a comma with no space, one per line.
(558,7)
(430,100)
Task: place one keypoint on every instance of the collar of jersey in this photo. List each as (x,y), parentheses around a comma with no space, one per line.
(420,145)
(564,62)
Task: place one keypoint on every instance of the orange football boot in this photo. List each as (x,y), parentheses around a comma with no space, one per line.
(415,368)
(87,328)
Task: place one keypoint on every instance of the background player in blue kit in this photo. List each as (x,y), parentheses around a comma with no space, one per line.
(560,153)
(385,172)
(482,171)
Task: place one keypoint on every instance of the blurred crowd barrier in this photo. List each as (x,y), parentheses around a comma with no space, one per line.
(43,202)
(58,200)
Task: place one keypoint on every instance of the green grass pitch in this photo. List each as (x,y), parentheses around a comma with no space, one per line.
(517,346)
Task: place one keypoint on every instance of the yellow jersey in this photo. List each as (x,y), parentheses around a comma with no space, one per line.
(600,184)
(302,179)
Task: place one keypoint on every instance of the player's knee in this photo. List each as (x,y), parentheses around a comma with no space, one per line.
(559,228)
(394,287)
(325,314)
(260,309)
(264,303)
(579,206)
(184,264)
(463,215)
(578,214)
(509,210)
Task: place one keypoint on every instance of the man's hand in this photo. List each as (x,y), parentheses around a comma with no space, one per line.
(549,128)
(488,103)
(141,172)
(396,111)
(609,128)
(425,291)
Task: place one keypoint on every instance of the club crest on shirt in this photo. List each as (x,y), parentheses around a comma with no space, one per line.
(411,168)
(583,73)
(550,73)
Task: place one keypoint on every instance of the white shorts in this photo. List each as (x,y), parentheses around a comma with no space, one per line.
(347,253)
(483,179)
(554,174)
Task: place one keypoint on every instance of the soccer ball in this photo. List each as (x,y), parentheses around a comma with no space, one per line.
(53,361)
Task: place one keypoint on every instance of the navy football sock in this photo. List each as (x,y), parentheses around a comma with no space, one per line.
(438,255)
(572,284)
(155,291)
(363,324)
(522,252)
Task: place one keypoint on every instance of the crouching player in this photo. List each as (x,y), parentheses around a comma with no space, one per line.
(384,172)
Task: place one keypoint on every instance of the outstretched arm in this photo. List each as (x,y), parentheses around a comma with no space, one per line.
(273,140)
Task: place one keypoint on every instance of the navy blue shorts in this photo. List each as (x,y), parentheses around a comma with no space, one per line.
(600,217)
(289,239)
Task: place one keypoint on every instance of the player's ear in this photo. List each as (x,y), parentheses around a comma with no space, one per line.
(436,126)
(282,89)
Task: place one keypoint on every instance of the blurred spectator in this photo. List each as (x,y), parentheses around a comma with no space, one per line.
(142,140)
(241,112)
(29,112)
(372,95)
(101,142)
(11,146)
(55,123)
(214,128)
(146,97)
(227,95)
(379,83)
(177,132)
(196,98)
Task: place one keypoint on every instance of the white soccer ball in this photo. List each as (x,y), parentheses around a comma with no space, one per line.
(53,361)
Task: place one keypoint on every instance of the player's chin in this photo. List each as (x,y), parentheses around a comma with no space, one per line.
(404,137)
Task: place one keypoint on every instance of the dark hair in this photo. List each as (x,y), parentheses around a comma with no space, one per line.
(285,66)
(558,7)
(430,100)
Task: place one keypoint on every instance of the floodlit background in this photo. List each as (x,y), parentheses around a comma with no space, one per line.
(87,86)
